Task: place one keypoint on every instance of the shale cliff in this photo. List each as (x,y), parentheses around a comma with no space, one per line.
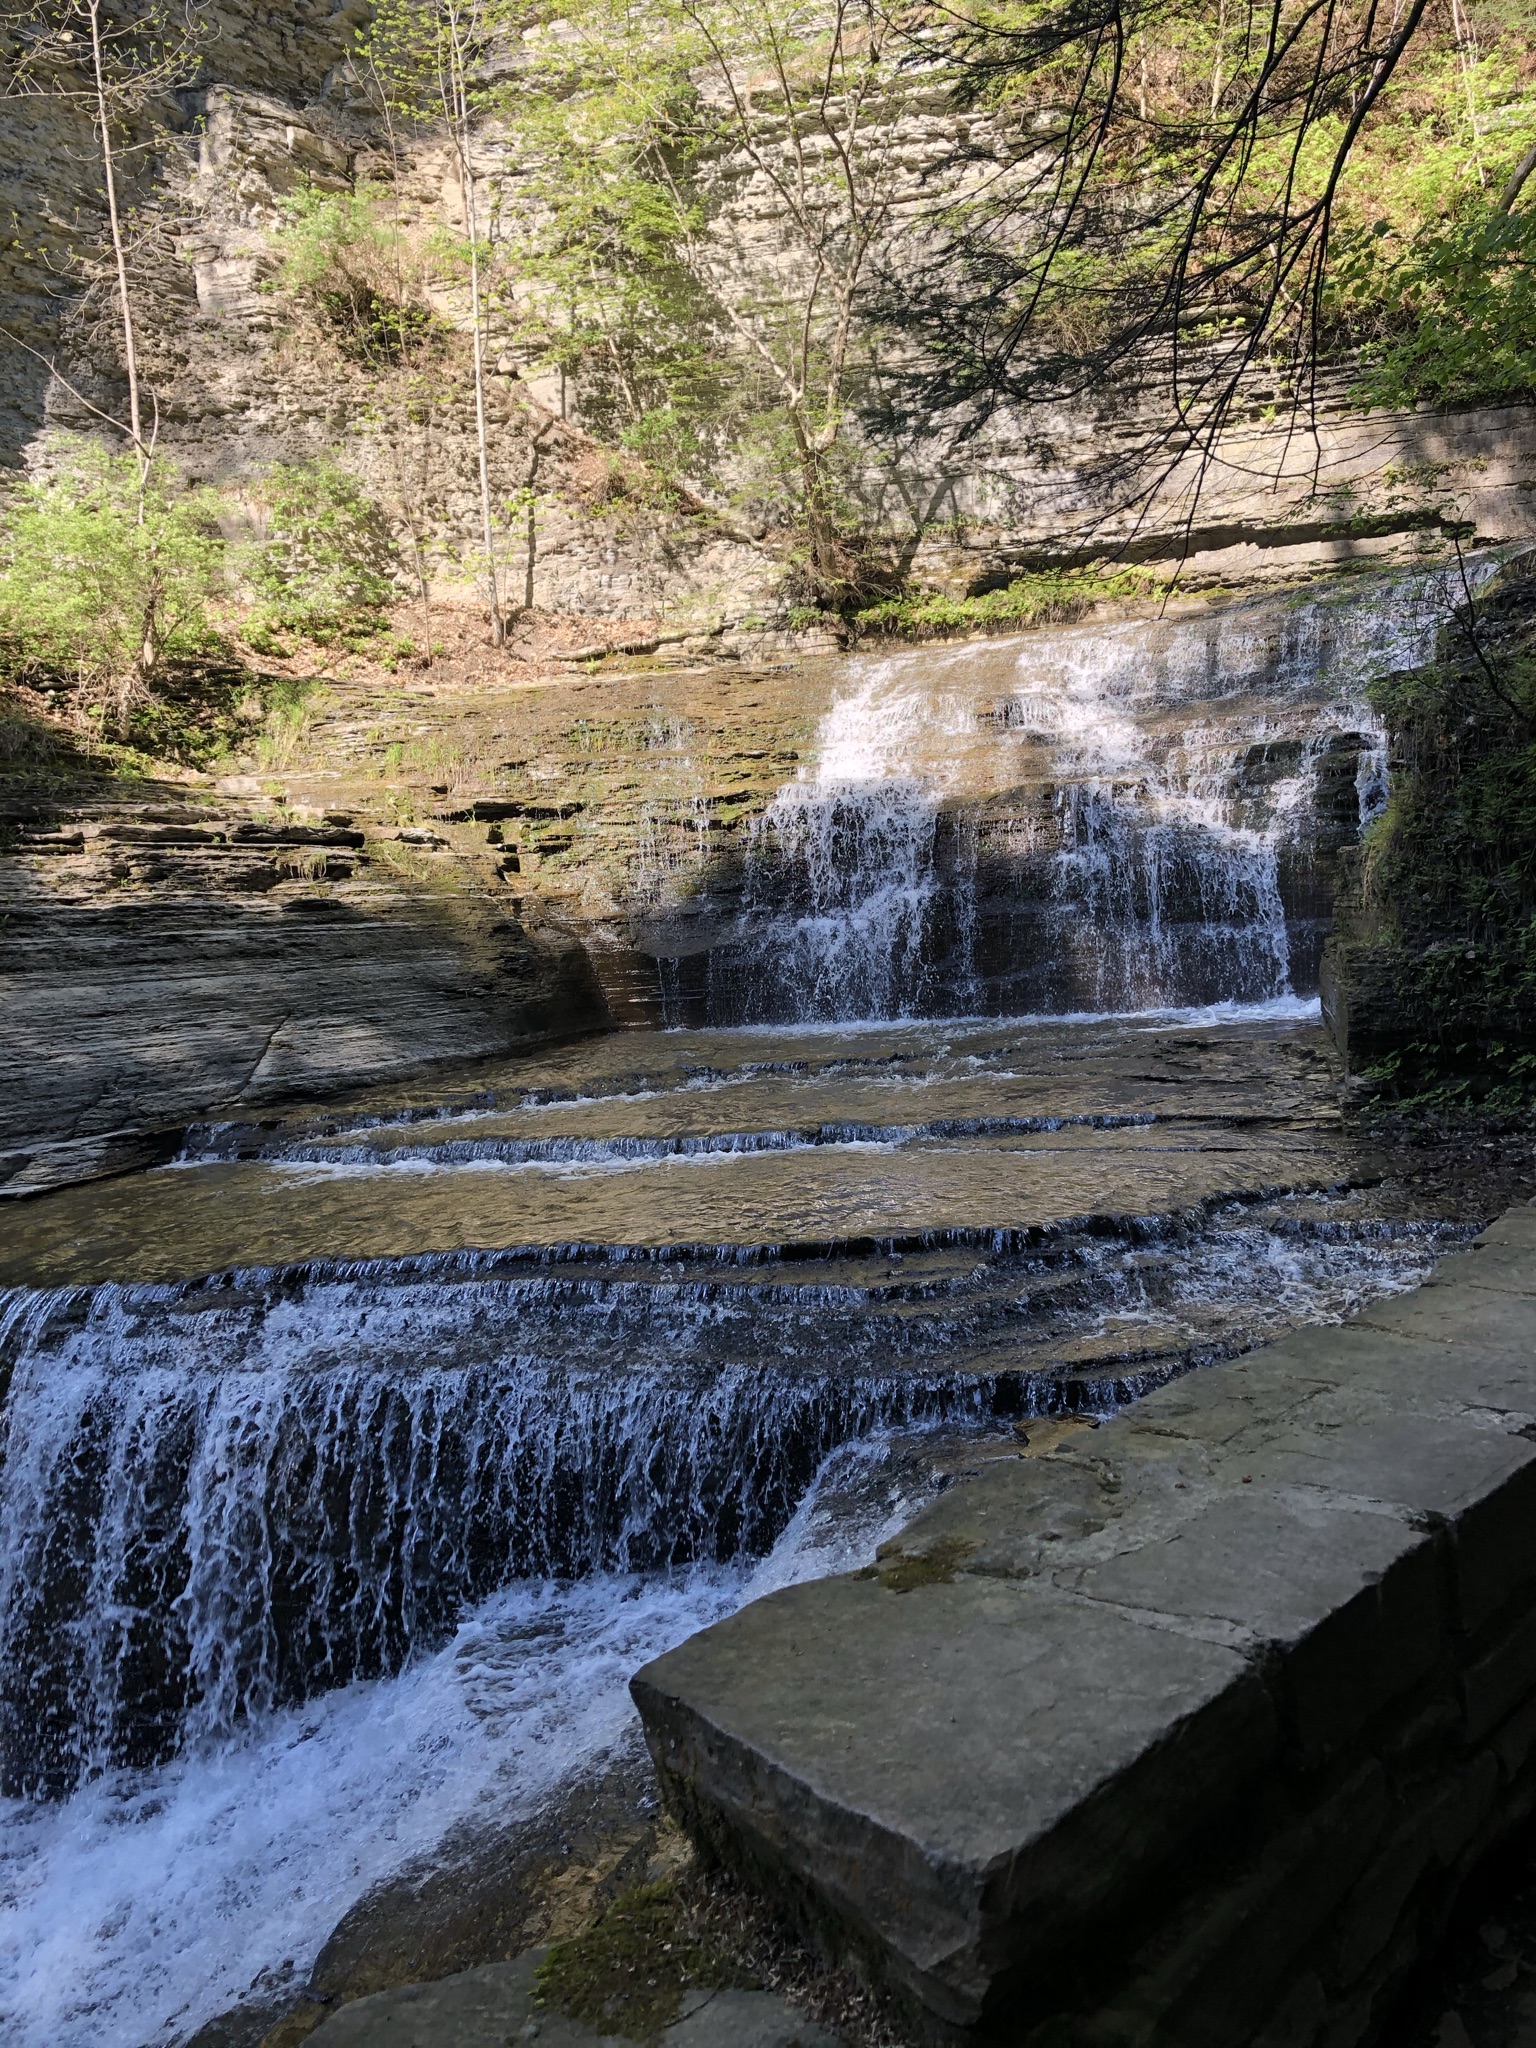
(1429,983)
(282,108)
(446,864)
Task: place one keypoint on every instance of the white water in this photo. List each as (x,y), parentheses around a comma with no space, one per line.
(150,1899)
(1150,871)
(148,1902)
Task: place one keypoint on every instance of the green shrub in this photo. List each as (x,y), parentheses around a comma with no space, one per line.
(1051,597)
(343,257)
(324,564)
(102,584)
(1458,310)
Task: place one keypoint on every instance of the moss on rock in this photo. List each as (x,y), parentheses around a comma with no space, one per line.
(628,1974)
(1430,980)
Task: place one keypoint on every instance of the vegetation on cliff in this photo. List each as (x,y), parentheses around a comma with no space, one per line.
(106,574)
(1048,597)
(742,230)
(1436,956)
(768,247)
(129,613)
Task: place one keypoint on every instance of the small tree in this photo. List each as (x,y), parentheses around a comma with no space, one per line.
(749,147)
(106,573)
(344,258)
(427,59)
(115,67)
(324,564)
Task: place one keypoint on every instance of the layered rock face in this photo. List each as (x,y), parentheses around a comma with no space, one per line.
(1115,816)
(1103,822)
(1129,814)
(281,109)
(1430,977)
(167,958)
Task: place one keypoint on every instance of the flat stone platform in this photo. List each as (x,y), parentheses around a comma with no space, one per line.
(498,2006)
(1186,1733)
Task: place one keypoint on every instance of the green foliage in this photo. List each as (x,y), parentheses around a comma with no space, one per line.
(702,188)
(1458,314)
(1428,277)
(325,564)
(627,1975)
(1053,597)
(1449,875)
(344,257)
(102,585)
(212,715)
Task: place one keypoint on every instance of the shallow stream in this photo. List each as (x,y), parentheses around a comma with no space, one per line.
(354,1460)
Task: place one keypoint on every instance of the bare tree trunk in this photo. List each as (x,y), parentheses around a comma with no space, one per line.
(109,170)
(826,554)
(471,222)
(418,551)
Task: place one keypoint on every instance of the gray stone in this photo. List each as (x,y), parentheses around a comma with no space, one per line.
(1441,1375)
(1485,1318)
(1499,1681)
(746,2019)
(496,2007)
(935,1765)
(1468,1477)
(1349,1602)
(1002,1761)
(491,2007)
(1224,1966)
(1300,2014)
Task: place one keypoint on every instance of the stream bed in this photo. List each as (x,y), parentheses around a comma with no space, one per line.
(354,1459)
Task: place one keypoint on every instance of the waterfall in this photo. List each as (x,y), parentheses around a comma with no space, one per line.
(185,1545)
(1106,818)
(338,1543)
(219,1500)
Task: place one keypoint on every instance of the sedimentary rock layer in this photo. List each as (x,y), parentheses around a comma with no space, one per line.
(1188,1732)
(165,960)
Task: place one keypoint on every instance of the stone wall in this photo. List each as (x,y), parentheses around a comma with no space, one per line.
(1183,1735)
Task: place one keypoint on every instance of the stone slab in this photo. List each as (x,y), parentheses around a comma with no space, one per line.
(1493,1320)
(496,2007)
(1007,1736)
(1348,1603)
(936,1764)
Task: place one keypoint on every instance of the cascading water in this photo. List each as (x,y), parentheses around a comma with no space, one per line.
(1098,818)
(187,1544)
(352,1463)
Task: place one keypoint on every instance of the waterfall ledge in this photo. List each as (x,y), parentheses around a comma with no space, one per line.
(1188,1732)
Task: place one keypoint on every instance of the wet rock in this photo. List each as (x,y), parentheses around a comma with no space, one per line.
(1235,1692)
(140,993)
(499,2004)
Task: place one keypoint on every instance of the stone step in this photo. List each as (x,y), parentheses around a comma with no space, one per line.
(1199,1720)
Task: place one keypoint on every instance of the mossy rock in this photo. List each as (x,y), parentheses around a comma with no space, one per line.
(628,1974)
(1430,980)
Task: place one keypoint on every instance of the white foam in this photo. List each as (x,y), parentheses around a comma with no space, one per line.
(149,1902)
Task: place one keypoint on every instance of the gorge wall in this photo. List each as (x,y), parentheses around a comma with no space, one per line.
(282,107)
(1130,813)
(662,838)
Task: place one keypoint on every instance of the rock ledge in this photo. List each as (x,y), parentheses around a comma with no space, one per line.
(1186,1733)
